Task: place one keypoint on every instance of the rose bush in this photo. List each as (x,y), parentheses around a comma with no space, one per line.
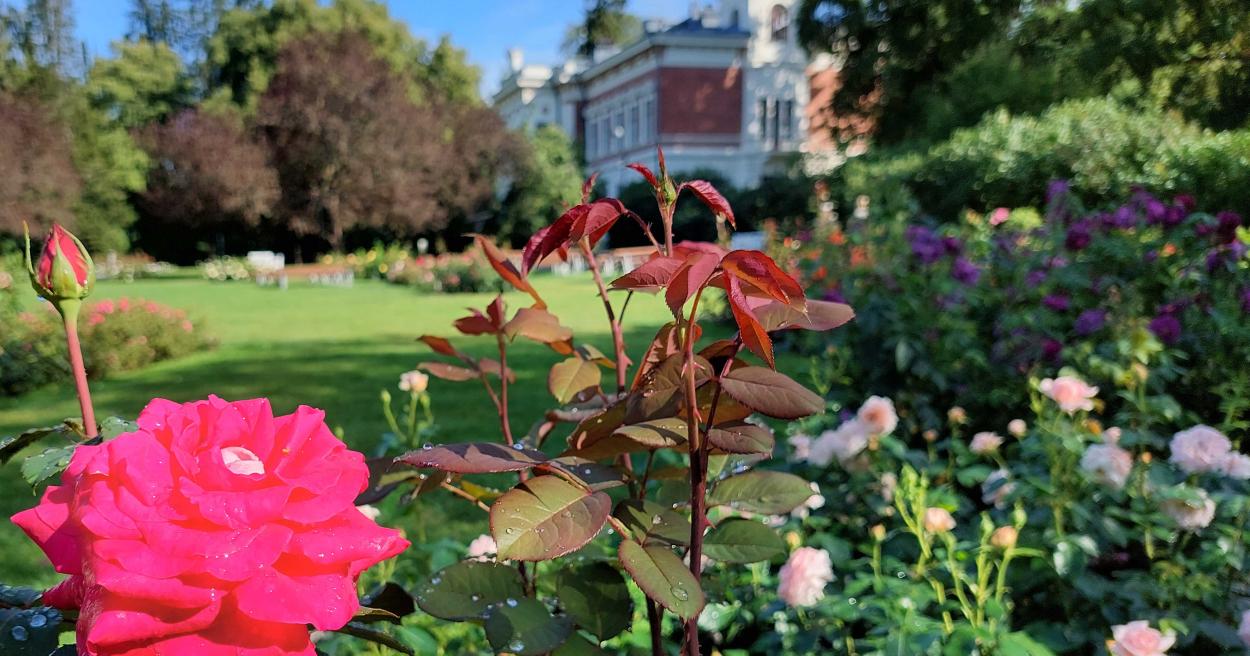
(214,528)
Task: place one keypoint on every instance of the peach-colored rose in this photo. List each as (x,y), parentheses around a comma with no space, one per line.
(878,416)
(1004,537)
(1107,464)
(938,520)
(1191,516)
(1070,393)
(414,381)
(1138,639)
(482,548)
(804,576)
(985,442)
(1200,449)
(1017,428)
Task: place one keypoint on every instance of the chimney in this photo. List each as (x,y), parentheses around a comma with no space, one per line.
(516,59)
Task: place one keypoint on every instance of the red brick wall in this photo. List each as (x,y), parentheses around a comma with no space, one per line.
(700,100)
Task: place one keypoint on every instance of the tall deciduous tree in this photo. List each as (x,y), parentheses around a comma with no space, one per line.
(606,23)
(38,181)
(143,82)
(350,147)
(548,181)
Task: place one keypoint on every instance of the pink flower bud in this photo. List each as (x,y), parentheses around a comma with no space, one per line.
(64,270)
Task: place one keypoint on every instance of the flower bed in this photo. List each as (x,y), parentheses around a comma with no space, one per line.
(451,273)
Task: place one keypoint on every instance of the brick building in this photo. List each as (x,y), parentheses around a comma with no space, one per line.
(728,89)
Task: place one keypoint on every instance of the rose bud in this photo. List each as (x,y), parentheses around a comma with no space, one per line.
(938,520)
(1004,537)
(64,271)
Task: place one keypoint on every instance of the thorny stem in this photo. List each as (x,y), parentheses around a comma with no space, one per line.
(698,470)
(80,375)
(666,214)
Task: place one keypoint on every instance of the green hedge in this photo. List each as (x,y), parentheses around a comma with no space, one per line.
(1102,147)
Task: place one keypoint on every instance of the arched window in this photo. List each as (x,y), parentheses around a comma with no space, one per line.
(780,23)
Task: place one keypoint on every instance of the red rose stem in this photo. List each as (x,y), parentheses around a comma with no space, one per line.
(80,375)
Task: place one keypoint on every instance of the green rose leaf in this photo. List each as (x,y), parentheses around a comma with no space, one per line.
(774,394)
(546,517)
(596,597)
(764,492)
(663,577)
(656,433)
(653,522)
(11,445)
(572,379)
(739,540)
(42,466)
(474,458)
(465,590)
(591,474)
(578,646)
(525,626)
(17,597)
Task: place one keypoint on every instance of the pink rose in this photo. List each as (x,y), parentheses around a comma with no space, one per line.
(414,381)
(1192,516)
(214,529)
(878,416)
(482,548)
(1017,428)
(1070,392)
(1199,449)
(1236,465)
(999,216)
(1107,464)
(804,577)
(985,442)
(1138,639)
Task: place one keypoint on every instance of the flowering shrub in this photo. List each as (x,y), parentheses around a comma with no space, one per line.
(117,335)
(451,273)
(226,268)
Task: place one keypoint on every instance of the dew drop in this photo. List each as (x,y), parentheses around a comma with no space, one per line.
(427,446)
(656,519)
(37,621)
(681,593)
(436,580)
(516,646)
(510,531)
(475,597)
(511,602)
(901,575)
(19,633)
(852,601)
(518,446)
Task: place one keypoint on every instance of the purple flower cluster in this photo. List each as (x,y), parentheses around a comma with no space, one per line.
(929,248)
(926,245)
(1090,322)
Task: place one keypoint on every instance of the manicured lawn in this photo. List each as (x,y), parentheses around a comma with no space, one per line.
(332,348)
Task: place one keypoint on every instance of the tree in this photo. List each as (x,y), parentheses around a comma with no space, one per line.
(606,23)
(207,179)
(893,50)
(548,181)
(349,146)
(38,181)
(143,82)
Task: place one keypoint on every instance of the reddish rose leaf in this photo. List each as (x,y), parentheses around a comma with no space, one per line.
(588,187)
(819,316)
(448,371)
(603,448)
(656,433)
(741,437)
(761,272)
(683,249)
(473,458)
(506,270)
(771,393)
(546,517)
(667,343)
(491,366)
(753,335)
(708,194)
(652,276)
(689,278)
(588,473)
(476,324)
(646,173)
(539,325)
(549,239)
(598,426)
(439,345)
(596,222)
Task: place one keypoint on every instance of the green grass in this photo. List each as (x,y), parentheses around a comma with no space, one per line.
(331,348)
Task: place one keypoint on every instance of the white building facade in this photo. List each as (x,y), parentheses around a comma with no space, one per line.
(728,89)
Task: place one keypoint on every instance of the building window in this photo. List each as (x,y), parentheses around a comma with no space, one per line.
(605,146)
(633,131)
(592,140)
(763,119)
(787,119)
(780,23)
(650,124)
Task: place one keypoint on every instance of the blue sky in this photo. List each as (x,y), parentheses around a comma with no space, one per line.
(486,28)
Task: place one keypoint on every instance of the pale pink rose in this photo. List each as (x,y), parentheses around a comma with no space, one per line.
(1017,428)
(1107,464)
(997,487)
(1138,639)
(1200,449)
(483,547)
(985,442)
(804,577)
(800,447)
(938,520)
(1243,629)
(1070,393)
(1191,516)
(414,381)
(1236,465)
(999,216)
(878,416)
(844,444)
